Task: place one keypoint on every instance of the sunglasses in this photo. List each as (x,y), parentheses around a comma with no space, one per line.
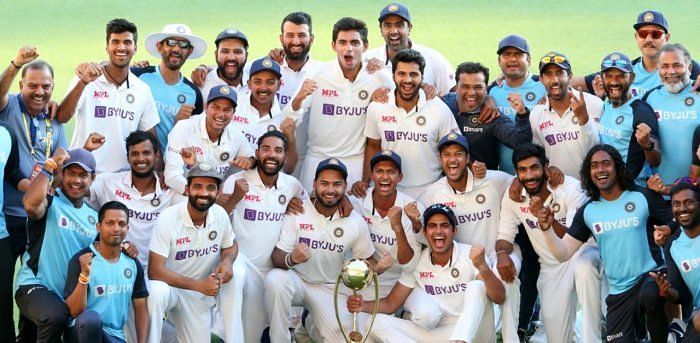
(183,44)
(615,63)
(553,59)
(655,34)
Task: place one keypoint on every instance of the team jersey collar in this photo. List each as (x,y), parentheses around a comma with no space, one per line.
(185,218)
(310,205)
(368,201)
(419,105)
(128,182)
(162,79)
(41,116)
(125,85)
(547,202)
(308,62)
(275,110)
(453,258)
(339,71)
(470,183)
(254,176)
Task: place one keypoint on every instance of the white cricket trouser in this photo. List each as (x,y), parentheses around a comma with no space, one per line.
(255,319)
(510,309)
(354,164)
(284,289)
(191,312)
(475,324)
(561,286)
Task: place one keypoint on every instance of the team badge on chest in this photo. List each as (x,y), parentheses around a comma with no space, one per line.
(363,94)
(212,235)
(455,273)
(480,199)
(689,101)
(629,207)
(420,120)
(282,199)
(530,96)
(338,232)
(127,273)
(224,156)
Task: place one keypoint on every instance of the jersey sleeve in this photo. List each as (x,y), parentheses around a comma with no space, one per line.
(589,131)
(140,290)
(371,122)
(81,100)
(508,220)
(288,235)
(659,209)
(363,246)
(73,273)
(244,147)
(512,134)
(97,192)
(174,165)
(160,240)
(673,275)
(695,70)
(575,199)
(299,191)
(500,180)
(696,145)
(449,124)
(643,113)
(150,117)
(408,279)
(228,235)
(198,102)
(444,74)
(578,228)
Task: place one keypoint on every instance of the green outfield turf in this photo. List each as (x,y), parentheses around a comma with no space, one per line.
(69,32)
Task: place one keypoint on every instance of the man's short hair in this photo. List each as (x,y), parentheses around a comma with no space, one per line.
(138,137)
(350,24)
(37,65)
(408,56)
(112,205)
(681,186)
(297,18)
(527,150)
(676,47)
(472,68)
(277,134)
(119,26)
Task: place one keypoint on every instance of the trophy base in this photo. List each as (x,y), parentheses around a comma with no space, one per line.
(355,337)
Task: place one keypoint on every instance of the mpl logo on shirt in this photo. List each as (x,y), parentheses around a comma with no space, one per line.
(252,198)
(689,264)
(388,119)
(306,227)
(100,94)
(329,93)
(624,223)
(122,195)
(426,275)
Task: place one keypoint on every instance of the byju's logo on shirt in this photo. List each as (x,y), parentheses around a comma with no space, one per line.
(66,223)
(104,112)
(185,254)
(689,264)
(104,290)
(331,109)
(442,290)
(384,240)
(624,223)
(322,245)
(392,136)
(253,215)
(553,139)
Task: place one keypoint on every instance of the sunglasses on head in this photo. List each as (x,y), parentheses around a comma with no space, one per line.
(553,59)
(685,179)
(614,63)
(183,44)
(655,34)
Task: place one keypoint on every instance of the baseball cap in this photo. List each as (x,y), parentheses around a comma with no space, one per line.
(386,155)
(232,33)
(515,41)
(557,58)
(651,18)
(395,9)
(224,91)
(334,164)
(265,64)
(439,209)
(616,60)
(204,169)
(453,138)
(81,157)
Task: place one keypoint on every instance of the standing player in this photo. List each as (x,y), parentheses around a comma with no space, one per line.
(310,253)
(628,124)
(408,124)
(258,200)
(208,138)
(456,277)
(102,281)
(191,262)
(109,100)
(625,220)
(231,55)
(562,285)
(175,96)
(518,86)
(336,96)
(566,125)
(466,104)
(395,25)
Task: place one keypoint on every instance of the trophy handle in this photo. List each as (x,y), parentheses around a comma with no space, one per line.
(335,303)
(376,306)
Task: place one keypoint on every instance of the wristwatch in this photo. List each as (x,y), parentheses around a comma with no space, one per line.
(650,146)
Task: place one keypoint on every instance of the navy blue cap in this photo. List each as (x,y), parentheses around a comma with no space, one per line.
(515,41)
(557,58)
(453,138)
(386,155)
(334,164)
(651,18)
(616,60)
(265,64)
(81,157)
(224,91)
(439,209)
(395,9)
(232,33)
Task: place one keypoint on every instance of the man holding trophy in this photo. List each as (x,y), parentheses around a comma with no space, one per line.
(456,276)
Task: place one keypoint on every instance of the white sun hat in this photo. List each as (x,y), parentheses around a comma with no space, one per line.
(199,46)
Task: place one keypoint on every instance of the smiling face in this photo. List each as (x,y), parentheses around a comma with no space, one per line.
(674,70)
(408,80)
(453,160)
(439,232)
(471,91)
(174,56)
(685,208)
(556,81)
(617,85)
(530,173)
(603,171)
(142,158)
(76,182)
(219,114)
(329,187)
(296,40)
(348,48)
(113,227)
(271,155)
(36,87)
(263,87)
(386,177)
(121,48)
(513,63)
(395,31)
(231,57)
(202,192)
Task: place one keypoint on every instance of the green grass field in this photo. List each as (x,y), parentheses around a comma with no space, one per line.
(69,32)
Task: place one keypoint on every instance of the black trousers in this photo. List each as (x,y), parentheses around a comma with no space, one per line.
(10,249)
(45,309)
(529,272)
(633,312)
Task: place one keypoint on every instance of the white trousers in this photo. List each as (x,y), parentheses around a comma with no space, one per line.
(354,164)
(510,309)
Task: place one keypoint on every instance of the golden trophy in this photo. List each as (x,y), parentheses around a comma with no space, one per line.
(356,275)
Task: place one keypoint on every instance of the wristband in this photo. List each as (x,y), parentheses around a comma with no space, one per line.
(50,164)
(46,172)
(14,65)
(83,279)
(288,262)
(502,251)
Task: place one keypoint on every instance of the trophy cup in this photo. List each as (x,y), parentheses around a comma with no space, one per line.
(356,275)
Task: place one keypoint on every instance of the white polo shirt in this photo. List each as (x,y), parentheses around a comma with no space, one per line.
(565,200)
(191,251)
(447,285)
(248,119)
(213,80)
(337,110)
(144,210)
(565,142)
(384,238)
(438,71)
(257,218)
(192,132)
(113,112)
(414,135)
(331,241)
(477,208)
(289,84)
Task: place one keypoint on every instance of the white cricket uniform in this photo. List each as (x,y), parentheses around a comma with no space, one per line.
(213,80)
(562,284)
(113,112)
(192,132)
(438,71)
(194,252)
(414,136)
(311,284)
(337,114)
(384,239)
(466,311)
(477,210)
(565,141)
(257,222)
(251,123)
